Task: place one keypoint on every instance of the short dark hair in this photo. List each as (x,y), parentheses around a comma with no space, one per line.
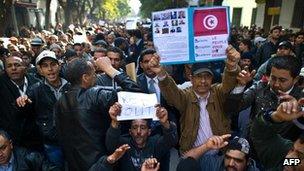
(287,62)
(276,27)
(76,69)
(5,134)
(146,52)
(148,121)
(100,49)
(116,50)
(299,33)
(247,42)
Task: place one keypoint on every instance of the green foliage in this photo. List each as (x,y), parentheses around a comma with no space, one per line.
(114,9)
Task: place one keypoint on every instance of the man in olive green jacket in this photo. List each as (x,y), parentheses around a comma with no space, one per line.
(201,106)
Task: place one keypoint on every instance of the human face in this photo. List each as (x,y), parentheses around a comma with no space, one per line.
(235,160)
(15,68)
(296,152)
(140,132)
(275,34)
(6,148)
(50,68)
(243,47)
(78,50)
(283,51)
(99,55)
(201,83)
(26,60)
(245,62)
(280,79)
(115,59)
(144,64)
(36,49)
(110,38)
(299,39)
(57,52)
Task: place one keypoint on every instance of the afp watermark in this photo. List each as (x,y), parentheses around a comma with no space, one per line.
(291,162)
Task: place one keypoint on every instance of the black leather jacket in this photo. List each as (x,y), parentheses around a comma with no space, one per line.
(44,99)
(82,120)
(24,160)
(261,99)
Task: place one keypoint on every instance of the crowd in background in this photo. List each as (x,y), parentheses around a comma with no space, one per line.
(58,96)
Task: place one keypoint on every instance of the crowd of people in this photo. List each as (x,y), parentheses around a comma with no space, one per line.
(59,102)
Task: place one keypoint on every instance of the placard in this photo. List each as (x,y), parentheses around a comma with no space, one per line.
(189,35)
(137,106)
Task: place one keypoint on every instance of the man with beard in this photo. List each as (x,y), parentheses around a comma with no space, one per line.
(143,146)
(235,157)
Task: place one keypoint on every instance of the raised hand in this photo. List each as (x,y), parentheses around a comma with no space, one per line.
(154,64)
(162,115)
(104,64)
(150,164)
(115,111)
(233,57)
(245,77)
(23,100)
(217,142)
(118,153)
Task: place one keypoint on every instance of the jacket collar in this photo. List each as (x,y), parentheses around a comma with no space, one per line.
(194,97)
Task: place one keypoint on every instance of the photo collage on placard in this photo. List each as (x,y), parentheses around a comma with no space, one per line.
(169,22)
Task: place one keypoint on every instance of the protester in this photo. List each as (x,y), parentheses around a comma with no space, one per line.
(140,141)
(82,112)
(236,155)
(20,124)
(16,158)
(43,96)
(196,128)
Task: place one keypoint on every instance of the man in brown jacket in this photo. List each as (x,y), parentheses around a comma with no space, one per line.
(200,106)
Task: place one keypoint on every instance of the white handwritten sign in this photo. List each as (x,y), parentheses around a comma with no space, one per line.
(137,106)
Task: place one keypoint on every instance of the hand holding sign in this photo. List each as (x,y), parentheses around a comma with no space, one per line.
(115,111)
(162,115)
(137,106)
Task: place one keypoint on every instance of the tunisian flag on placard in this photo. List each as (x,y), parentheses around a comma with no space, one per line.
(211,21)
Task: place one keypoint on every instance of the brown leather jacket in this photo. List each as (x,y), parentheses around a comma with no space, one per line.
(187,103)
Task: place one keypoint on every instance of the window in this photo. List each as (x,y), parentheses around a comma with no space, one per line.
(236,17)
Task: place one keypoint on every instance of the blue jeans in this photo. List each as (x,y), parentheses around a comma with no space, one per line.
(54,154)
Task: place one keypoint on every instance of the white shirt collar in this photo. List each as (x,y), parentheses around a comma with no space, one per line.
(202,98)
(24,88)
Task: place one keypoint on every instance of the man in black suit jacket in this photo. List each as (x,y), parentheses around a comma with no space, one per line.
(19,123)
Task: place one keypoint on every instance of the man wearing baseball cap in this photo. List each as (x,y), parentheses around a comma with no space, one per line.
(36,47)
(235,157)
(43,96)
(200,106)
